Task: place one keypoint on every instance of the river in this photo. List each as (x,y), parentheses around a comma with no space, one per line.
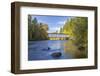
(38,50)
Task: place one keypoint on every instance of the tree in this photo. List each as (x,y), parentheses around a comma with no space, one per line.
(61,30)
(34,21)
(37,31)
(77,28)
(29,27)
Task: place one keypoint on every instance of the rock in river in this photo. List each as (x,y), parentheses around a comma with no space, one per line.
(46,49)
(56,54)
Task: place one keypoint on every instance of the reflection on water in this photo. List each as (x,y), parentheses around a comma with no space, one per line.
(43,50)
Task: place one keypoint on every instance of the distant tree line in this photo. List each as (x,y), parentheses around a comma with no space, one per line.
(36,31)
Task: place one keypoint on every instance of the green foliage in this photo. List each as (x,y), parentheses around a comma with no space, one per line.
(61,30)
(36,31)
(77,29)
(34,21)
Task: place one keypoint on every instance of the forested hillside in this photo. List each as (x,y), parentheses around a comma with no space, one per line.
(36,31)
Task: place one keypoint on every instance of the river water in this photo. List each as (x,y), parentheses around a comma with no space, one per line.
(38,50)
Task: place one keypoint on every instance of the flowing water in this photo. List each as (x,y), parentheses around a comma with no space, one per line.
(43,50)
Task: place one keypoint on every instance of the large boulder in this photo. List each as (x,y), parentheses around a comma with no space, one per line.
(56,54)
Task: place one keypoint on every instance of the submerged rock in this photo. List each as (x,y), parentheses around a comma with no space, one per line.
(56,54)
(49,48)
(81,48)
(46,49)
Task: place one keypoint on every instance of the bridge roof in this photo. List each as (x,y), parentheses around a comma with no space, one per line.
(57,33)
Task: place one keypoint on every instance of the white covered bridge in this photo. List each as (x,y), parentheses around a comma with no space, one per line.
(57,36)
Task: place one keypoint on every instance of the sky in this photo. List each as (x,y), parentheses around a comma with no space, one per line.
(54,22)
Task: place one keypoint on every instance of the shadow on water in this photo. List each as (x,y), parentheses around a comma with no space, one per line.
(72,49)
